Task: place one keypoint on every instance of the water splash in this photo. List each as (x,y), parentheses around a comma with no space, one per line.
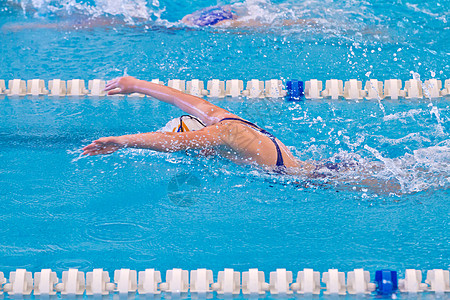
(434,110)
(426,168)
(376,91)
(130,10)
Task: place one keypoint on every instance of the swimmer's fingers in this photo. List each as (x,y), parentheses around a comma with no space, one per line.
(99,152)
(121,85)
(115,91)
(113,84)
(92,146)
(104,145)
(112,81)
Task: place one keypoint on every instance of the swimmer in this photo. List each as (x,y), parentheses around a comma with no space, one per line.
(214,130)
(225,133)
(232,16)
(235,15)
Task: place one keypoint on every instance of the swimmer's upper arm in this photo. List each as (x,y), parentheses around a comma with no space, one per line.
(193,105)
(207,112)
(207,137)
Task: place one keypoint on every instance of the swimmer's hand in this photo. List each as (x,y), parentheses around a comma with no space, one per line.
(122,85)
(104,145)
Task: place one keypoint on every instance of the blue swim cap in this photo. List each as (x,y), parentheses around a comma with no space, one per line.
(211,16)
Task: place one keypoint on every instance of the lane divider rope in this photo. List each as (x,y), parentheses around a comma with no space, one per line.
(274,88)
(229,282)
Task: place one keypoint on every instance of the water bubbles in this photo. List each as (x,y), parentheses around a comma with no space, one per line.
(415,75)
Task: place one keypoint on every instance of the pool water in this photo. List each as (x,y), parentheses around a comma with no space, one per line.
(140,209)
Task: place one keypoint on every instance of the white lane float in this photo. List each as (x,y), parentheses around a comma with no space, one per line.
(44,282)
(255,89)
(36,87)
(393,89)
(73,283)
(439,280)
(216,88)
(125,280)
(148,282)
(374,89)
(2,282)
(274,88)
(20,283)
(57,88)
(200,284)
(413,89)
(308,282)
(228,283)
(196,87)
(157,81)
(358,282)
(76,88)
(412,282)
(313,89)
(16,87)
(234,88)
(280,282)
(432,88)
(353,89)
(177,283)
(334,89)
(446,90)
(253,283)
(96,88)
(177,84)
(2,87)
(98,283)
(335,282)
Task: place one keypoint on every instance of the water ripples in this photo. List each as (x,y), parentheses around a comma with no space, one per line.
(118,232)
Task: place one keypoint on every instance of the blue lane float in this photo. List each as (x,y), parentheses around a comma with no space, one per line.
(386,281)
(295,90)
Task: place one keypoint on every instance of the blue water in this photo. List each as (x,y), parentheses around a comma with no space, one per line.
(140,209)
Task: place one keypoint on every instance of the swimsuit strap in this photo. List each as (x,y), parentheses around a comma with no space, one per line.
(181,127)
(280,162)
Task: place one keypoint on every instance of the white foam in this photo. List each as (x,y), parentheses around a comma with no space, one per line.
(130,10)
(402,115)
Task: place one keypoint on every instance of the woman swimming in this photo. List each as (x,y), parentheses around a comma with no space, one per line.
(226,134)
(229,135)
(236,15)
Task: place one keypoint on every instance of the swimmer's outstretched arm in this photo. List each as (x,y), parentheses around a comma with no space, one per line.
(159,141)
(255,23)
(202,109)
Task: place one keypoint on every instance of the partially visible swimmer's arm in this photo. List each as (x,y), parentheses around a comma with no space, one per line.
(239,23)
(158,141)
(80,22)
(202,109)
